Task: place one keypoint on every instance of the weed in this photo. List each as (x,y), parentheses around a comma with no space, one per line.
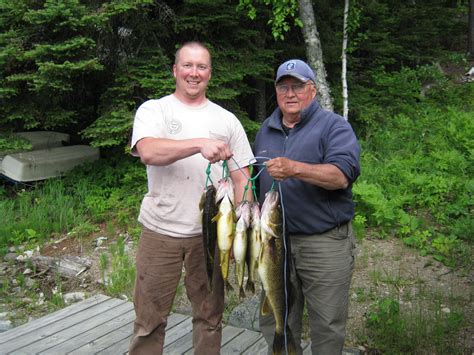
(110,227)
(395,329)
(103,266)
(84,229)
(395,280)
(121,277)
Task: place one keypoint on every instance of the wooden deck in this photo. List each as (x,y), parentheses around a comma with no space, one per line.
(103,325)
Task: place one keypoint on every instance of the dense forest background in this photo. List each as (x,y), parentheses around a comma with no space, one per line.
(83,67)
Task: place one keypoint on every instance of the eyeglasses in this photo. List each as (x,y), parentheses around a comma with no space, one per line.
(297,88)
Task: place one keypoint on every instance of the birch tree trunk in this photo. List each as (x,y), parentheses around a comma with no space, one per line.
(314,52)
(345,96)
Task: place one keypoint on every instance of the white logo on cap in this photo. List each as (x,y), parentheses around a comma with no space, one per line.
(290,66)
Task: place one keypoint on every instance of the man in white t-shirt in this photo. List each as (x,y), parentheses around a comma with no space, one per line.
(176,137)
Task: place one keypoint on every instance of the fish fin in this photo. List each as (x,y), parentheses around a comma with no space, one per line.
(202,202)
(279,345)
(216,217)
(265,308)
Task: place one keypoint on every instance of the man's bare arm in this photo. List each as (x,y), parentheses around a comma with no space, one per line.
(327,176)
(240,181)
(161,151)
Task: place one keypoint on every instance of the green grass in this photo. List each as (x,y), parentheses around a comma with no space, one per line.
(35,215)
(118,270)
(393,327)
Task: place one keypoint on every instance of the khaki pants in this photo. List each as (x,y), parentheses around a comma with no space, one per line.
(159,266)
(320,272)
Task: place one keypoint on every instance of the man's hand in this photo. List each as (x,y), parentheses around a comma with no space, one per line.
(215,150)
(327,176)
(280,168)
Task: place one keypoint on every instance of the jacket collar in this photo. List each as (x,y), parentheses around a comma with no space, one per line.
(275,120)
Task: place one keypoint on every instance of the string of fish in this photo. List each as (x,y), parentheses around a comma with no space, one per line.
(224,256)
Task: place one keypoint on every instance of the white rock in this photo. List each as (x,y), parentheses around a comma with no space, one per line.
(445,310)
(5,325)
(74,297)
(99,241)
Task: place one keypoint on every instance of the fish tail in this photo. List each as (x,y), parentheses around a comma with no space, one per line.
(250,286)
(224,259)
(242,292)
(282,347)
(228,286)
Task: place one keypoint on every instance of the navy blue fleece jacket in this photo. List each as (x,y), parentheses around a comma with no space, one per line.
(320,137)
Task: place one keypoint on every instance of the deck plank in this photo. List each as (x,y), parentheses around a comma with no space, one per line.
(51,318)
(175,333)
(84,336)
(45,331)
(229,333)
(120,345)
(239,344)
(181,345)
(97,346)
(104,325)
(68,333)
(184,345)
(258,348)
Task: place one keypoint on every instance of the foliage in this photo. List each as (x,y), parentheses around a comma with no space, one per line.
(239,59)
(282,12)
(38,213)
(397,329)
(119,274)
(420,190)
(11,143)
(85,67)
(90,194)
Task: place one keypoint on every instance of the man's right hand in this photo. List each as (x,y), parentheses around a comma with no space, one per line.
(215,150)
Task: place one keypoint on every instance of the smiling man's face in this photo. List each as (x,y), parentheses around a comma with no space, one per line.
(192,72)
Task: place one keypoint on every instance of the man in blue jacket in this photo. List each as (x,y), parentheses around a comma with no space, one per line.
(314,155)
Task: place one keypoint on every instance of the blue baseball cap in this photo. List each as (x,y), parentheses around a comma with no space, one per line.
(297,69)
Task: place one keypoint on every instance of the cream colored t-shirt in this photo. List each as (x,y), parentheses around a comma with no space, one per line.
(171,206)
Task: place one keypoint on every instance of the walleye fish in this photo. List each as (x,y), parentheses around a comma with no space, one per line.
(253,247)
(239,246)
(225,225)
(208,208)
(271,269)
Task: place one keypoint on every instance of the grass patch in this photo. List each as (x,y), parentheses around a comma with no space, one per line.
(396,328)
(118,270)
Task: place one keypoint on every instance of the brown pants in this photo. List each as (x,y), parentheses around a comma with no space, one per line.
(159,266)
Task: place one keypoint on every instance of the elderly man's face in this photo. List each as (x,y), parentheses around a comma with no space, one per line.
(297,97)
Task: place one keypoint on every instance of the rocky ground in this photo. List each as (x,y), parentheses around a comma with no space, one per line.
(384,268)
